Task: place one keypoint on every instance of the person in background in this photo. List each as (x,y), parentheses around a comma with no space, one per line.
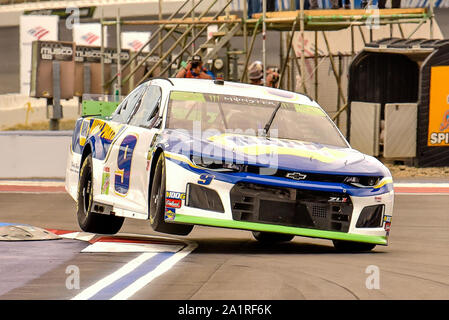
(346,5)
(255,6)
(394,4)
(314,4)
(255,75)
(195,69)
(306,5)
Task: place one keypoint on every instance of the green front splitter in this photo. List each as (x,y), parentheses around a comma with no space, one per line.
(313,233)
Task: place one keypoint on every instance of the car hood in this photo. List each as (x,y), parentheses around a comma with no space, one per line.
(274,153)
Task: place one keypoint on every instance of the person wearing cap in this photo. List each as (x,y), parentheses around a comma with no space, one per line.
(194,69)
(255,75)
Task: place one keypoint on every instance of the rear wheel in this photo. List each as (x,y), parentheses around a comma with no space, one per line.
(157,204)
(271,237)
(350,246)
(90,221)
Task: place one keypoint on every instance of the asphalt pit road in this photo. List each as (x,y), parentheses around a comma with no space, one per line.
(19,232)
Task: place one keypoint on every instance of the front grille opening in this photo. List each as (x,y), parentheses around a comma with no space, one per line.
(340,217)
(320,212)
(371,217)
(203,198)
(336,226)
(290,207)
(243,206)
(284,213)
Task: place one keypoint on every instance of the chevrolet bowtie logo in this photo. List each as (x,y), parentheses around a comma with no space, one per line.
(296,176)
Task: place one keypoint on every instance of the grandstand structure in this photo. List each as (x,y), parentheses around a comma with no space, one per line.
(188,28)
(185,32)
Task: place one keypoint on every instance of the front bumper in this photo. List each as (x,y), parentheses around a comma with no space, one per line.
(329,212)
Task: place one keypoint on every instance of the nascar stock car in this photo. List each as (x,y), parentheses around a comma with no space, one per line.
(185,152)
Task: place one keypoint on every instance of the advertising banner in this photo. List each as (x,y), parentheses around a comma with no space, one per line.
(87,34)
(439,107)
(33,28)
(134,40)
(43,72)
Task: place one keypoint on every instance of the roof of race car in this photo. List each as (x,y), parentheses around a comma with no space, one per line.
(234,88)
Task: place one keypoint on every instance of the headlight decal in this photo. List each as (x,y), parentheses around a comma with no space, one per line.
(384,182)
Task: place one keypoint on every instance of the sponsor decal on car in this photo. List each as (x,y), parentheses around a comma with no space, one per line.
(74,167)
(105,130)
(170,214)
(173,203)
(387,227)
(175,195)
(105,181)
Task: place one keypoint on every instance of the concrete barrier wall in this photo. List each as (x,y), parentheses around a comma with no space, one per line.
(34,154)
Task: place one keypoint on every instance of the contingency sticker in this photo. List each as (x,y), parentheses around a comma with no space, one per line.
(387,227)
(175,195)
(173,203)
(170,214)
(105,181)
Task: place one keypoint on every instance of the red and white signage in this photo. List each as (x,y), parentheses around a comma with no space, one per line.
(87,34)
(135,40)
(33,28)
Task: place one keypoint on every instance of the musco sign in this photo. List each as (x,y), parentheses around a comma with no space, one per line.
(44,56)
(56,51)
(88,54)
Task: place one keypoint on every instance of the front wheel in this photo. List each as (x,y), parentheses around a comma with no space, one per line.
(90,221)
(350,246)
(157,204)
(270,237)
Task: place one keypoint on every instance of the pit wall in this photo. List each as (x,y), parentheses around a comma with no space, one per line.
(34,154)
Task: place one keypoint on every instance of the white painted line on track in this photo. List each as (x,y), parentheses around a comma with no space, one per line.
(36,183)
(103,283)
(83,236)
(131,247)
(421,194)
(155,260)
(162,268)
(421,185)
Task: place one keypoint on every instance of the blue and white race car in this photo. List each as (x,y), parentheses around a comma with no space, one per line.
(185,152)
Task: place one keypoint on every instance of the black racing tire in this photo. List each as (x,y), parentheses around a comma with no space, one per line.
(90,221)
(352,247)
(157,204)
(271,237)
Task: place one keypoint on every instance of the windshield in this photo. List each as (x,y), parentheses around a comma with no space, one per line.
(225,113)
